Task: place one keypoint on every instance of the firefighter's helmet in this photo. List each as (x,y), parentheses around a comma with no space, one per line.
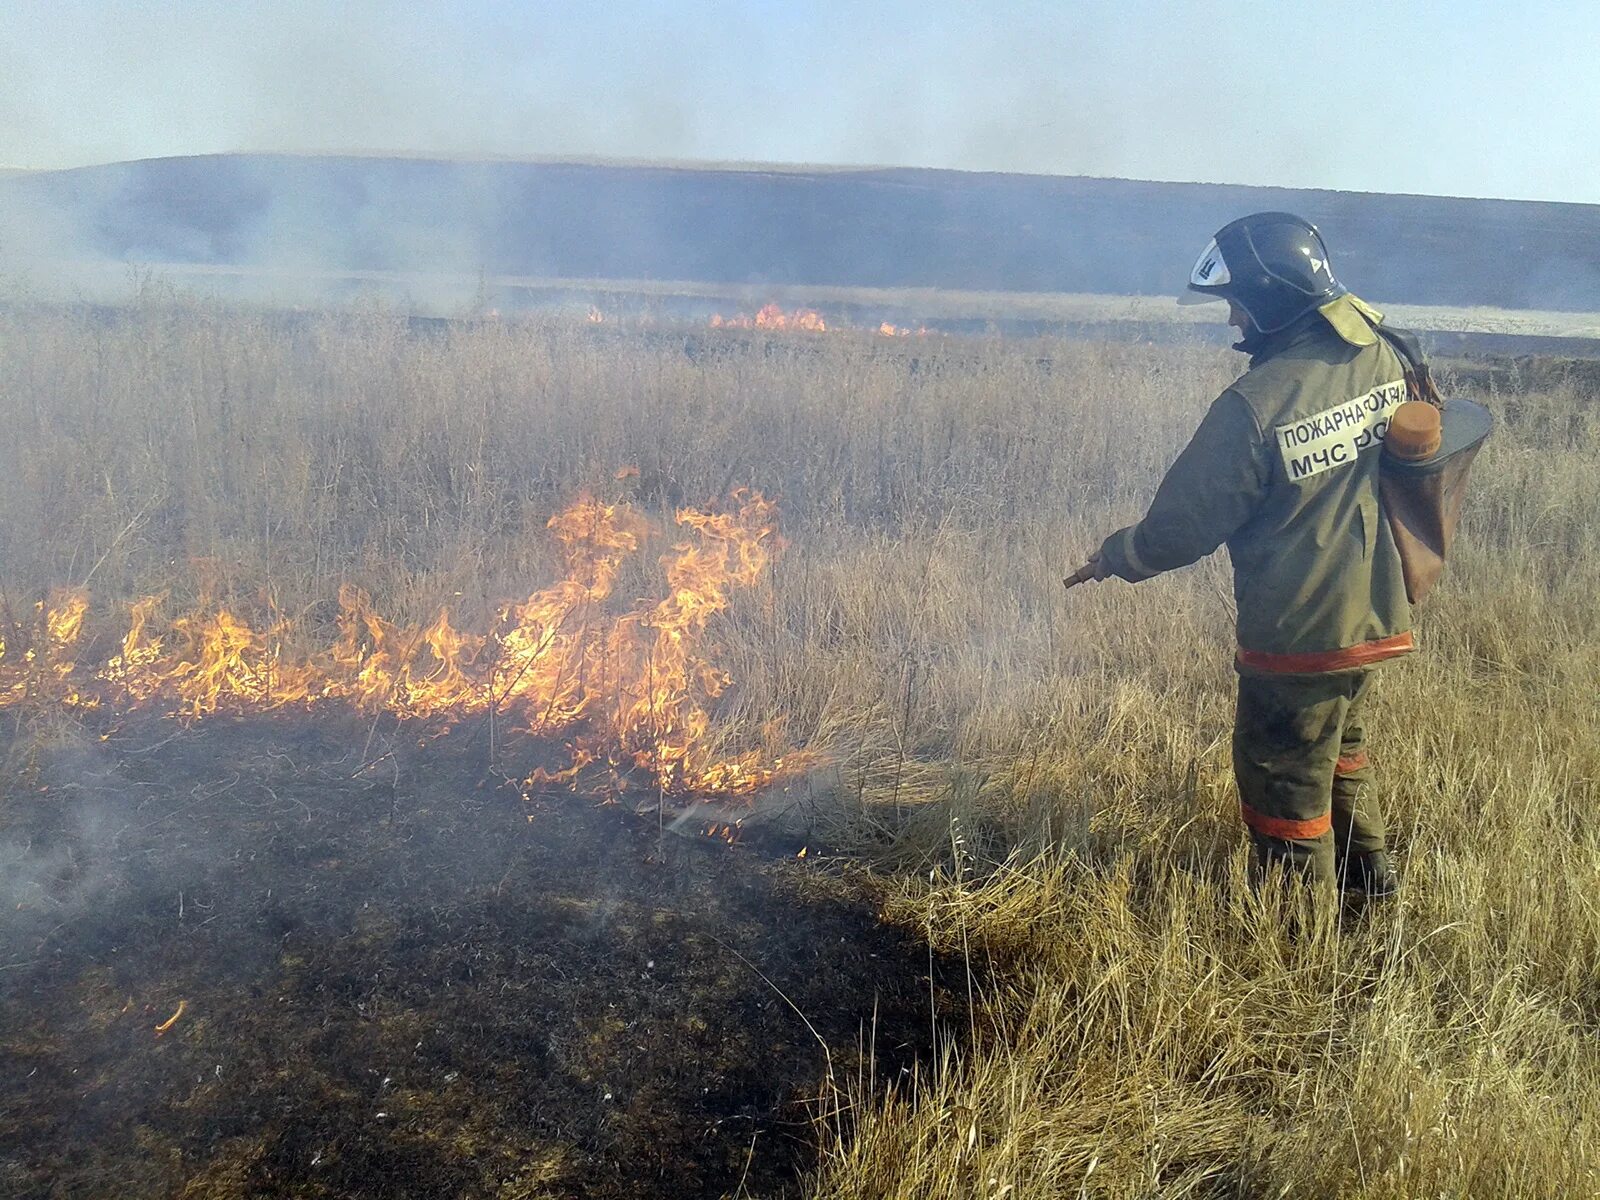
(1273,265)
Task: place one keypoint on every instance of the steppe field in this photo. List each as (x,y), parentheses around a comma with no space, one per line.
(290,924)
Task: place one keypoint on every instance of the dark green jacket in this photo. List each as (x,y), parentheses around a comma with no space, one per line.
(1284,469)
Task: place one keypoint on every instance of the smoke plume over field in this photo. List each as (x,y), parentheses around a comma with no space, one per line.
(440,233)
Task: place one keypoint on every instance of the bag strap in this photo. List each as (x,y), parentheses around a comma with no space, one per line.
(1419,380)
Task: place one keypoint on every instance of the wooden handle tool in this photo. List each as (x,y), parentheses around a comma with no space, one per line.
(1082,575)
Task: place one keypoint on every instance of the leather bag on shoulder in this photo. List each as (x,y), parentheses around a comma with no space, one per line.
(1422,497)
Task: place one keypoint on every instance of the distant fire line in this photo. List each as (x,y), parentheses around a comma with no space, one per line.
(773,318)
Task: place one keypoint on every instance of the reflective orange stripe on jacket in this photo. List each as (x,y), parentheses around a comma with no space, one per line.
(1315,662)
(1283,827)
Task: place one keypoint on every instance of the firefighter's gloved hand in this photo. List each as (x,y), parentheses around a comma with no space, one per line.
(1095,568)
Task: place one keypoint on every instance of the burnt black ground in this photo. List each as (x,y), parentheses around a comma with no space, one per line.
(421,987)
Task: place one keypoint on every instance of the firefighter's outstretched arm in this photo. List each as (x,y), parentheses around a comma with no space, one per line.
(1213,488)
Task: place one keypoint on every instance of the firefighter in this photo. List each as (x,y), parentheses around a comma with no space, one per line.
(1284,470)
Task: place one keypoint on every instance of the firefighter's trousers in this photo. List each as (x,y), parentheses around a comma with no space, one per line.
(1300,759)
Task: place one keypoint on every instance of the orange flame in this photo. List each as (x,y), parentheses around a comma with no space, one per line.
(64,619)
(42,662)
(173,1019)
(770,316)
(632,692)
(728,832)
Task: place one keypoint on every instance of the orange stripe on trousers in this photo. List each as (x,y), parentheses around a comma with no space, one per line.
(1349,764)
(1283,827)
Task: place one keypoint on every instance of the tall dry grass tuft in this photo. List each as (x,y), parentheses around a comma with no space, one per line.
(1039,779)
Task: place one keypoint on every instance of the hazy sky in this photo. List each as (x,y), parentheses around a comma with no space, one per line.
(1474,97)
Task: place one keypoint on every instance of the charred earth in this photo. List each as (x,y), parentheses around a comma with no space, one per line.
(233,965)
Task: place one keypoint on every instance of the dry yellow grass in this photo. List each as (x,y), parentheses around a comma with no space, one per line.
(1040,779)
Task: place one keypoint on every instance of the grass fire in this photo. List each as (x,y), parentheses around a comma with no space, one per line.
(635,685)
(771,316)
(550,757)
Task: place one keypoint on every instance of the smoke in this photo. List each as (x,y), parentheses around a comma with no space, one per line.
(266,229)
(1093,89)
(67,862)
(432,234)
(1138,89)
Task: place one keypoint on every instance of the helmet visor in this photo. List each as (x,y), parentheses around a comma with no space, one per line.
(1210,269)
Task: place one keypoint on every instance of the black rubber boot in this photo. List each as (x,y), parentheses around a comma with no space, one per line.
(1370,875)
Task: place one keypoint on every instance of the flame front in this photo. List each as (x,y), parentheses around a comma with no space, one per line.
(630,692)
(770,316)
(808,320)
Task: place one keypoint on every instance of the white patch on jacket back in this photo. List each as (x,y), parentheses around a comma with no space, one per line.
(1336,436)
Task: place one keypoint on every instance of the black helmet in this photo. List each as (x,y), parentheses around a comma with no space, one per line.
(1273,265)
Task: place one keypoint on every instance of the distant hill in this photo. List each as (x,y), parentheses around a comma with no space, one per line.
(881,228)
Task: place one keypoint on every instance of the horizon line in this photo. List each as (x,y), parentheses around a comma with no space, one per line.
(737,166)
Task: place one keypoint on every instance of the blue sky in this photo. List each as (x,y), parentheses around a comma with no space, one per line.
(1464,98)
